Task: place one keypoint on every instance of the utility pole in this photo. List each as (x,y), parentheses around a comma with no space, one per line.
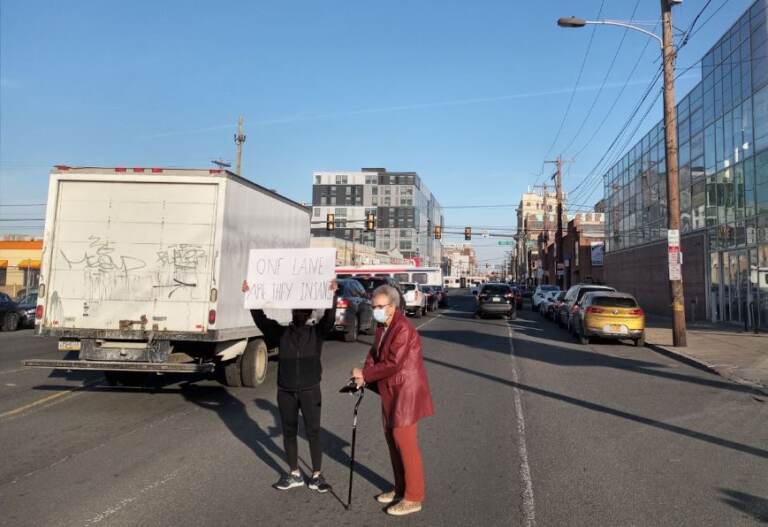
(239,140)
(673,192)
(558,177)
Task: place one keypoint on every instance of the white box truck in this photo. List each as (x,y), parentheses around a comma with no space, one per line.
(142,269)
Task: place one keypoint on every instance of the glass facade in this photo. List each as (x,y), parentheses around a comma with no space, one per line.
(723,173)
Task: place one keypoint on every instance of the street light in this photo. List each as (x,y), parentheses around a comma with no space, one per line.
(670,142)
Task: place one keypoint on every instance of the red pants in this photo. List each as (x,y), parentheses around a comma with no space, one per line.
(405,454)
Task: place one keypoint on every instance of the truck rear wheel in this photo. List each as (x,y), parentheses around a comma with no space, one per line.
(253,365)
(232,372)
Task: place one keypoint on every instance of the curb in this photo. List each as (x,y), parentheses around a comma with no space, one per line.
(703,366)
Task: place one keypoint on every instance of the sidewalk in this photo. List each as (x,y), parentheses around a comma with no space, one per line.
(727,351)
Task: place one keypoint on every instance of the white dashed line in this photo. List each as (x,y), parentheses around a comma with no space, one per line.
(529,508)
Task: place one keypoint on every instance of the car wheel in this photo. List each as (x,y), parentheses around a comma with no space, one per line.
(640,342)
(350,335)
(10,322)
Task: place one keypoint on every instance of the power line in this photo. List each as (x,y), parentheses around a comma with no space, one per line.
(605,80)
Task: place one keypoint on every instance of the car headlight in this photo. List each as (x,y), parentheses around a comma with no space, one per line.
(30,312)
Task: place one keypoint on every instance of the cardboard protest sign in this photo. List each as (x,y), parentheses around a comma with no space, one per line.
(290,278)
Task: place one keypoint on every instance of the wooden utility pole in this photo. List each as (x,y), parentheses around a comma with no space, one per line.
(558,177)
(673,191)
(239,140)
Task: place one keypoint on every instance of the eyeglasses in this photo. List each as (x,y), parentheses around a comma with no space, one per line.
(381,306)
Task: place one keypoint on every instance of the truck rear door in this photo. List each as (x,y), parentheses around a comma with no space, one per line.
(132,255)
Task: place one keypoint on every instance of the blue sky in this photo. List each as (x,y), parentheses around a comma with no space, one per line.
(468,94)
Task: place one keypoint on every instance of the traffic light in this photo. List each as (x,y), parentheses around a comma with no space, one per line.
(467,233)
(370,222)
(330,223)
(438,232)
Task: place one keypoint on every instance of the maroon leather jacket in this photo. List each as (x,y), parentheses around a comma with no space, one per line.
(395,370)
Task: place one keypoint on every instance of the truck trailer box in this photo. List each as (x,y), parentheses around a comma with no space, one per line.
(142,268)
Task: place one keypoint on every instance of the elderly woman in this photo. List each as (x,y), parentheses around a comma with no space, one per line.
(394,368)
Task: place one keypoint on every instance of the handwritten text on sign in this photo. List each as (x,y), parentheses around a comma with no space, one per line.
(290,278)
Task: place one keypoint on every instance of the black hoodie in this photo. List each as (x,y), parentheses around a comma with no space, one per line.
(298,366)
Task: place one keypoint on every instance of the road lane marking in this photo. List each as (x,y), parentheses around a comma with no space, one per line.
(430,320)
(117,507)
(47,399)
(529,508)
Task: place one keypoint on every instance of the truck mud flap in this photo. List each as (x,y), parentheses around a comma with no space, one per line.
(118,366)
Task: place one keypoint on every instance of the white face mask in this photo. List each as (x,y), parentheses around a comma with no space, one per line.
(380,315)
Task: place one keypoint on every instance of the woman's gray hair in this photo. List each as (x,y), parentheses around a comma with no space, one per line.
(390,292)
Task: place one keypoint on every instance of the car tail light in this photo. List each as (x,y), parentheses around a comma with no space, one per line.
(342,303)
(574,308)
(509,295)
(121,169)
(39,310)
(592,309)
(637,312)
(212,316)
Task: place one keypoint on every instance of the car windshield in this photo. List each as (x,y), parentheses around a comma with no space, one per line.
(371,283)
(495,289)
(612,301)
(408,287)
(584,290)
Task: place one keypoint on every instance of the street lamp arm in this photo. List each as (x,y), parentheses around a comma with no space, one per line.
(628,26)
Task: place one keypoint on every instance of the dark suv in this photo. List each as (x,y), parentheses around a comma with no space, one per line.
(370,283)
(353,310)
(496,299)
(9,313)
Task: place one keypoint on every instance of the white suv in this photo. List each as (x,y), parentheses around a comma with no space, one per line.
(415,299)
(540,292)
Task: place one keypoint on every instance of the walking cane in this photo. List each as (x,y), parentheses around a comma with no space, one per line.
(352,388)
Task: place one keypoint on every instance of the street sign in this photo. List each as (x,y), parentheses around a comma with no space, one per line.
(674,256)
(506,242)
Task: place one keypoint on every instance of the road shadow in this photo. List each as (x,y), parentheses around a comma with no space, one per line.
(647,421)
(556,353)
(234,415)
(754,506)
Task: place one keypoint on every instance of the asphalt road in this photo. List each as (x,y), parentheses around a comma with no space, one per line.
(530,429)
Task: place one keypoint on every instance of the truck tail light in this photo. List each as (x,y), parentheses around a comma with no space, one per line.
(342,303)
(39,310)
(212,316)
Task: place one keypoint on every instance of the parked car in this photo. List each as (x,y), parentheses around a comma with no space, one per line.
(547,301)
(353,310)
(538,294)
(572,299)
(370,283)
(609,315)
(496,299)
(9,313)
(554,306)
(26,310)
(433,297)
(415,300)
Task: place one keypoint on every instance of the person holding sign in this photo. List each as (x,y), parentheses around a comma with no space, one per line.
(394,368)
(298,384)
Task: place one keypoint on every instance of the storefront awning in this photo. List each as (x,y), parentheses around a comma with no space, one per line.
(3,264)
(28,264)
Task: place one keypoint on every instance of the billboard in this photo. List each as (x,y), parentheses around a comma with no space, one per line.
(598,251)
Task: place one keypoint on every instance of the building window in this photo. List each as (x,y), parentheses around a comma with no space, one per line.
(316,212)
(318,179)
(341,212)
(341,179)
(3,272)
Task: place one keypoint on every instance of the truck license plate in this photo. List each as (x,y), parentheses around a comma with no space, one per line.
(69,345)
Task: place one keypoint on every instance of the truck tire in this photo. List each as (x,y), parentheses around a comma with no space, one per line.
(350,335)
(10,322)
(253,366)
(232,372)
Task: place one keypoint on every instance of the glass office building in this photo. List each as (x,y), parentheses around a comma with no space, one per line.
(723,174)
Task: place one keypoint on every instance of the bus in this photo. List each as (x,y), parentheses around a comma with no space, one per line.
(401,273)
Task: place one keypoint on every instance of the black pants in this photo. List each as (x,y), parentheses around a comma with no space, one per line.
(309,401)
